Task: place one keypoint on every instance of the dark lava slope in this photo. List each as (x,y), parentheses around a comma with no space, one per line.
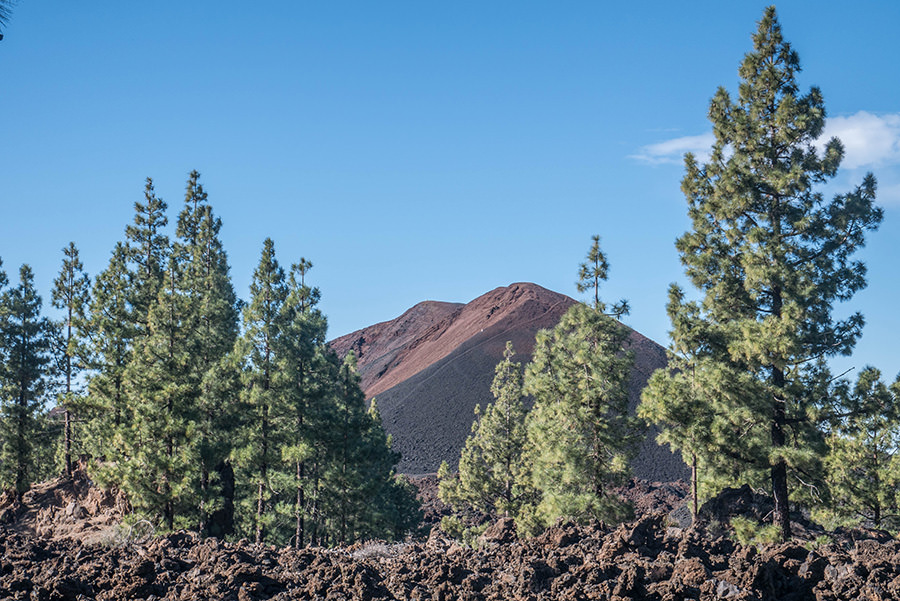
(431,366)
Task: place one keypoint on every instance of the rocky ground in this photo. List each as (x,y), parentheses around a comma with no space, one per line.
(649,558)
(642,560)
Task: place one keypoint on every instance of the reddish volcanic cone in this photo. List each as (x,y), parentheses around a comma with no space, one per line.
(430,367)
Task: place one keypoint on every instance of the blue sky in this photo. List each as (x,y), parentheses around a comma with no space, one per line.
(419,150)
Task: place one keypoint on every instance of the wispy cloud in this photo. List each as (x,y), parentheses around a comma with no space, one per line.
(869,141)
(672,151)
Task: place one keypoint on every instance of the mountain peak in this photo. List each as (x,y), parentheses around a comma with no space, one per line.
(390,352)
(430,366)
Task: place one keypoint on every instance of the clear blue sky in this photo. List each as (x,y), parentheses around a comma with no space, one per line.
(419,150)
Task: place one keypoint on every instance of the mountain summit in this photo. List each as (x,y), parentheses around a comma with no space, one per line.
(433,364)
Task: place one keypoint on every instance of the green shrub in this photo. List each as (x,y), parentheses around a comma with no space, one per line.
(750,532)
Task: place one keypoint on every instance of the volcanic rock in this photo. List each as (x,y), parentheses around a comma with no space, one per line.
(641,560)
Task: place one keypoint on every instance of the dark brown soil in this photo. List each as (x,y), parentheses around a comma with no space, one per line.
(65,508)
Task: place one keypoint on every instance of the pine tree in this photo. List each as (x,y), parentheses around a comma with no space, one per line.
(392,509)
(71,294)
(148,249)
(220,389)
(358,494)
(26,337)
(580,435)
(343,489)
(5,364)
(305,375)
(490,477)
(207,285)
(593,271)
(163,387)
(110,334)
(692,400)
(262,333)
(863,464)
(4,351)
(770,255)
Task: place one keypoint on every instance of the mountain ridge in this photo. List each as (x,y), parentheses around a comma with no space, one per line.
(386,354)
(432,365)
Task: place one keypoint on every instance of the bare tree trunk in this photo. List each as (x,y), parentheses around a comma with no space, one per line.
(782,516)
(695,510)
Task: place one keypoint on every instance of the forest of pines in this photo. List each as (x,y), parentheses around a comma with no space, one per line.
(747,397)
(222,416)
(236,419)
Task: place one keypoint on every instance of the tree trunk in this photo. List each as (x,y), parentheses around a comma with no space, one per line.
(204,495)
(694,510)
(263,468)
(782,516)
(299,534)
(21,456)
(68,435)
(68,431)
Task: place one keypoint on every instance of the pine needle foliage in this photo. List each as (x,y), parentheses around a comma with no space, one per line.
(110,335)
(490,477)
(25,339)
(863,464)
(267,433)
(162,387)
(71,295)
(580,436)
(206,284)
(148,251)
(692,401)
(262,400)
(770,257)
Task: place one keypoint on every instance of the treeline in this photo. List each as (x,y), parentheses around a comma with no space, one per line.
(747,397)
(212,414)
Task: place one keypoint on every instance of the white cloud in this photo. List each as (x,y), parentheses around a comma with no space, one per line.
(672,151)
(869,140)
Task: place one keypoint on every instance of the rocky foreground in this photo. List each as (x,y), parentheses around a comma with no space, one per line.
(643,560)
(65,541)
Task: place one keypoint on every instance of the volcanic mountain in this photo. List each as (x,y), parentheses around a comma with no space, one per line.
(429,367)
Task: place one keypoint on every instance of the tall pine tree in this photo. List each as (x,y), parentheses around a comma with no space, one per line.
(71,294)
(207,285)
(163,386)
(306,379)
(110,334)
(692,400)
(580,435)
(259,345)
(26,337)
(490,477)
(360,498)
(148,249)
(771,256)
